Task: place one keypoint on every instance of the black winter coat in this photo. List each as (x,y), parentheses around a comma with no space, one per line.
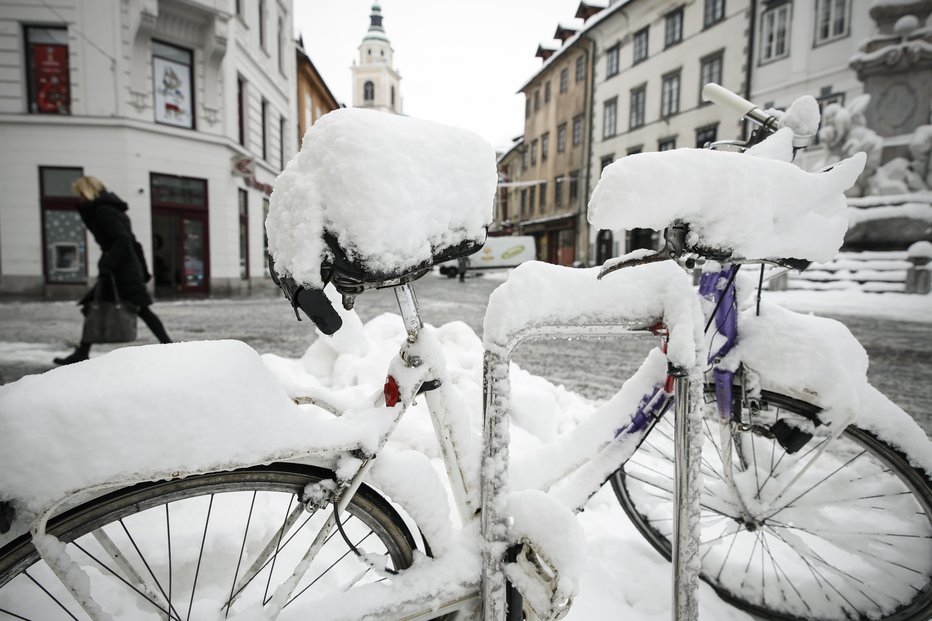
(121,255)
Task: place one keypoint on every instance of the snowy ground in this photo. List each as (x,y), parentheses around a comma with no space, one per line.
(895,329)
(623,574)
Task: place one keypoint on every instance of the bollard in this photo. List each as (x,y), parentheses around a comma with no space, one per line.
(919,275)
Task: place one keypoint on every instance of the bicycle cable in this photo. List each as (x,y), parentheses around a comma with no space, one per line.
(731,280)
(362,557)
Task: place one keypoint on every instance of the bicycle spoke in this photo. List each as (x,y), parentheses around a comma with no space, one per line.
(200,556)
(239,559)
(281,532)
(53,598)
(16,616)
(324,572)
(817,484)
(126,582)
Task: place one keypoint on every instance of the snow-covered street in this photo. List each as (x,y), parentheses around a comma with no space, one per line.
(895,329)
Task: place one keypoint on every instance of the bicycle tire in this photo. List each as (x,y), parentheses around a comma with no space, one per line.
(819,527)
(169,507)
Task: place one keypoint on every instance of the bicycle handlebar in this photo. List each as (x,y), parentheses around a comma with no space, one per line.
(724,97)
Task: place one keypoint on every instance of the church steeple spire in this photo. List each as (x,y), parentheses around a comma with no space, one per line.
(375,18)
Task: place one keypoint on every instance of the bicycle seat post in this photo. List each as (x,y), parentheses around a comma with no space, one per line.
(407,304)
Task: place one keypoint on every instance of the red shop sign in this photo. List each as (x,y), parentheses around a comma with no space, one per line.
(51,78)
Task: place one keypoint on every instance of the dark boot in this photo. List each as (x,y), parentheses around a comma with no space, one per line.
(6,516)
(80,354)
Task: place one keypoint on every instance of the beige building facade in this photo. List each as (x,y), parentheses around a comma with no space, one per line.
(376,81)
(552,196)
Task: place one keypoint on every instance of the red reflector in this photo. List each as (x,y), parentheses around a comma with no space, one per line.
(392,396)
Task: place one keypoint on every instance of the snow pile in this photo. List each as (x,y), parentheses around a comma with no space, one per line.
(391,189)
(757,207)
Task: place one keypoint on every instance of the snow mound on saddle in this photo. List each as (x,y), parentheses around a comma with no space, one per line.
(389,188)
(755,206)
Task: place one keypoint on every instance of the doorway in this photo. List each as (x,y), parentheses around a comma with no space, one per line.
(180,243)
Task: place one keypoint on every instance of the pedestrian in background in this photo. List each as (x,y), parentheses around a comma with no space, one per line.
(121,263)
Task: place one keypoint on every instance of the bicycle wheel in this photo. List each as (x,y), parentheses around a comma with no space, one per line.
(848,537)
(191,548)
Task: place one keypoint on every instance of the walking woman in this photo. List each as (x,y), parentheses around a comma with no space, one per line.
(121,260)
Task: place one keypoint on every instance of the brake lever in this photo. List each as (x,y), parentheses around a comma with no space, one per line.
(627,260)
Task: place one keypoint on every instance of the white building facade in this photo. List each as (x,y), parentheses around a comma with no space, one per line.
(652,59)
(184,108)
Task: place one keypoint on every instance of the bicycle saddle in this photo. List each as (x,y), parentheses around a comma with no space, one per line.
(375,199)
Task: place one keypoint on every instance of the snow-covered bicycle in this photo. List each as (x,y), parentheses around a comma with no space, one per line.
(816,501)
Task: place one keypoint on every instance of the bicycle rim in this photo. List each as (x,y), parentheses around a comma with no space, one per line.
(854,540)
(191,548)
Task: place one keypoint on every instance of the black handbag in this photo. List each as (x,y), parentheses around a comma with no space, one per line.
(109,322)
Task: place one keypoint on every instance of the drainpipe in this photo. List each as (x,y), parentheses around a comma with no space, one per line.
(749,65)
(586,152)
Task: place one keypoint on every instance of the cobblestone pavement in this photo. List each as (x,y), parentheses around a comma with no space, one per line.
(32,333)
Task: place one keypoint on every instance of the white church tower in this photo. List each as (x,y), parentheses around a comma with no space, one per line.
(376,83)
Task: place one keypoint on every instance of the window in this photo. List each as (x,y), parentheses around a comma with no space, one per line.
(666,144)
(534,152)
(281,142)
(47,73)
(558,192)
(523,202)
(308,111)
(63,234)
(825,98)
(774,40)
(544,146)
(368,93)
(241,109)
(261,24)
(174,94)
(265,236)
(635,150)
(706,135)
(574,185)
(577,130)
(710,70)
(243,234)
(610,118)
(265,129)
(561,138)
(580,68)
(524,160)
(831,20)
(611,60)
(640,44)
(543,196)
(638,101)
(670,95)
(564,79)
(673,28)
(547,92)
(393,97)
(527,108)
(606,160)
(713,13)
(530,200)
(536,100)
(281,45)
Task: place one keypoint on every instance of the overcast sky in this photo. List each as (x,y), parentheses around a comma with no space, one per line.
(461,62)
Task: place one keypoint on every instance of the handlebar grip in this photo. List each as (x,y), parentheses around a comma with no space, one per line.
(724,97)
(317,306)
